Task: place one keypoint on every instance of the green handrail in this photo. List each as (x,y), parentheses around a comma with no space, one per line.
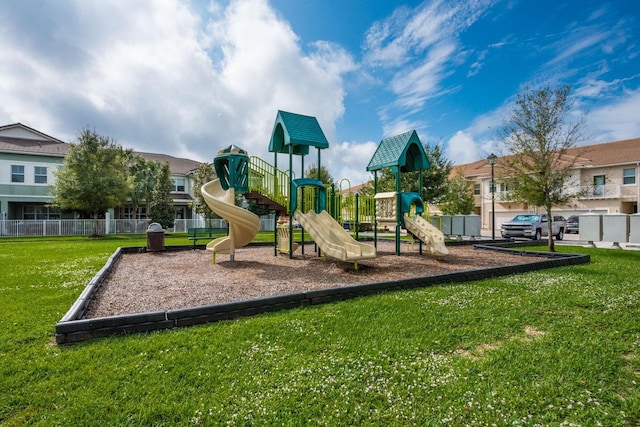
(265,179)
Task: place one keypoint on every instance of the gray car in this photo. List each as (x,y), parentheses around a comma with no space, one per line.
(533,226)
(573,224)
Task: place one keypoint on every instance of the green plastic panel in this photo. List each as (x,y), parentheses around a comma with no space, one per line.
(298,131)
(404,151)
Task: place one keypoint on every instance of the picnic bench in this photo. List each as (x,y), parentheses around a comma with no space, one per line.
(205,233)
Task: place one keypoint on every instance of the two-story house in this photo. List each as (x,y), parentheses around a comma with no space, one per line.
(605,180)
(29,158)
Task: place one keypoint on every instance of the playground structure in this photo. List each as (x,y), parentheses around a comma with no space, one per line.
(305,199)
(411,209)
(404,153)
(293,134)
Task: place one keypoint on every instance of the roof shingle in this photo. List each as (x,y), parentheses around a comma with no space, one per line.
(596,155)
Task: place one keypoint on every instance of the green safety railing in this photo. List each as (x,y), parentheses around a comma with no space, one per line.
(265,179)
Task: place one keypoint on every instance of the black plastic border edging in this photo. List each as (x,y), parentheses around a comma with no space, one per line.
(71,328)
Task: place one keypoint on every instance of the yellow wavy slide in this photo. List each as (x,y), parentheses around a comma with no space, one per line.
(430,235)
(332,239)
(243,224)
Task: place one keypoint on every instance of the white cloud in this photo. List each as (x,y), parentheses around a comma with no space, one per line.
(400,125)
(593,87)
(569,48)
(157,76)
(462,148)
(617,120)
(349,160)
(392,41)
(418,84)
(420,48)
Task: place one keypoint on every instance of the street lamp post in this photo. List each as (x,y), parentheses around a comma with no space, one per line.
(492,189)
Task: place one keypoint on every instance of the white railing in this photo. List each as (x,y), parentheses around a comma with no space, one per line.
(604,191)
(85,227)
(503,195)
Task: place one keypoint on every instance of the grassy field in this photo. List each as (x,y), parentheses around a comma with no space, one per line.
(557,348)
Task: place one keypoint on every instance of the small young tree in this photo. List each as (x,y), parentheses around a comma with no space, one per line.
(434,179)
(161,208)
(252,205)
(205,173)
(325,176)
(537,134)
(458,198)
(142,179)
(93,177)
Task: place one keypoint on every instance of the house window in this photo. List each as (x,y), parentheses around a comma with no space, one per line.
(506,187)
(129,212)
(476,189)
(40,175)
(178,185)
(628,176)
(598,185)
(17,173)
(40,212)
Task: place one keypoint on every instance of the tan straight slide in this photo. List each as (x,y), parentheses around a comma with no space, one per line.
(332,239)
(427,233)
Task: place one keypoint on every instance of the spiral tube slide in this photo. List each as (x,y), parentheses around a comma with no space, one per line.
(243,225)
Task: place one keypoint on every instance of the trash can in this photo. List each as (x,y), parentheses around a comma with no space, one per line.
(155,237)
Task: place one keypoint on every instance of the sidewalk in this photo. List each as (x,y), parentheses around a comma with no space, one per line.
(574,240)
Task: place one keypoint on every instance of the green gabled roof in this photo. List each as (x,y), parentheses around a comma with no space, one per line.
(296,130)
(404,151)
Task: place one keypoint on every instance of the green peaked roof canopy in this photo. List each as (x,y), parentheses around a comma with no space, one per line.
(404,151)
(296,130)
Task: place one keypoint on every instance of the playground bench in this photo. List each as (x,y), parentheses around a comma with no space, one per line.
(205,233)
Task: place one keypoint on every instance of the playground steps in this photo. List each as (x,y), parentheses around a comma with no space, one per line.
(263,200)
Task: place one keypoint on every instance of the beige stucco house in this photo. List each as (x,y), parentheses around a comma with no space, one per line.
(605,176)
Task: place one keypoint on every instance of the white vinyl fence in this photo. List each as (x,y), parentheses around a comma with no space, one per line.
(85,227)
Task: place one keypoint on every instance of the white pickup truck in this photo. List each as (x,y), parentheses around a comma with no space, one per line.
(533,226)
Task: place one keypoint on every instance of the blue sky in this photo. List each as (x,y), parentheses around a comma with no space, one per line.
(187,78)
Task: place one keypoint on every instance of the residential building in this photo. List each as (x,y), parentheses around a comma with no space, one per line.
(605,180)
(29,158)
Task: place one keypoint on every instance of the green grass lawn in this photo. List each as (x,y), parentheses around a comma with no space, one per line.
(558,347)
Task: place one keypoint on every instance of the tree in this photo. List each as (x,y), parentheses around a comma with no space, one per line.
(434,179)
(92,178)
(325,176)
(161,207)
(204,174)
(252,205)
(458,198)
(142,179)
(537,134)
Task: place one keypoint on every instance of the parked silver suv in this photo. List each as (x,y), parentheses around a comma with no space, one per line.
(533,226)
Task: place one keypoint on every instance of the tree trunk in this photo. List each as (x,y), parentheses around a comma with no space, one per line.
(552,247)
(95,225)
